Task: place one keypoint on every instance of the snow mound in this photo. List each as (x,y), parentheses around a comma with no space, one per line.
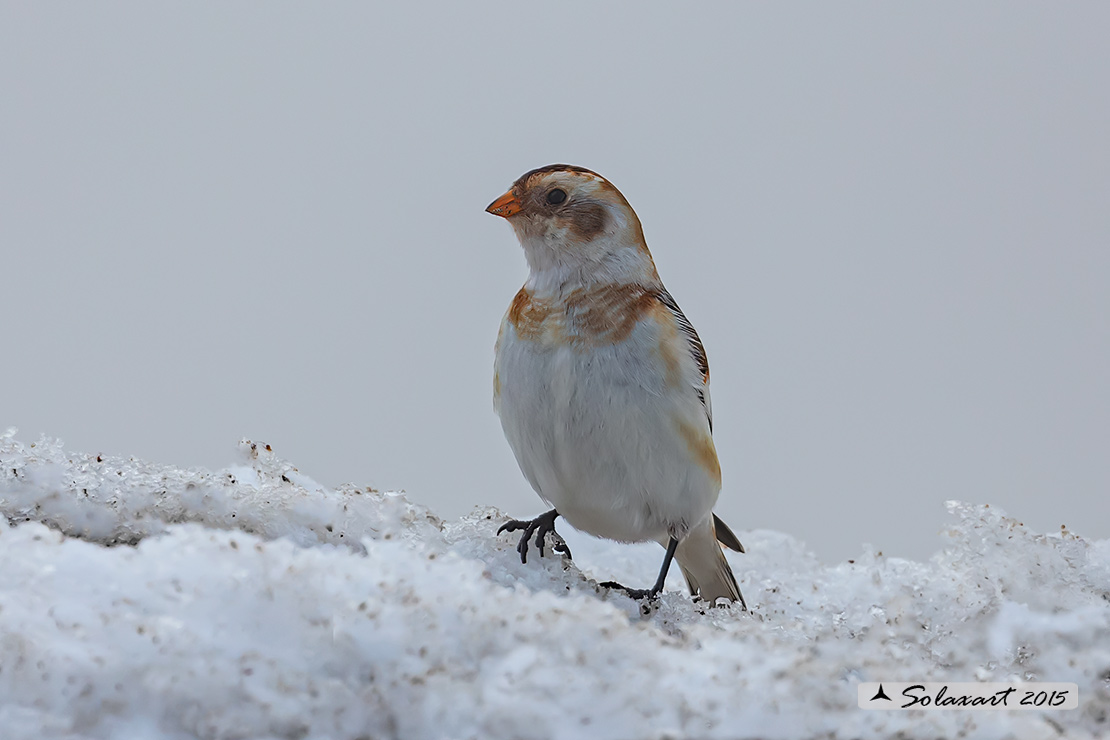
(139,600)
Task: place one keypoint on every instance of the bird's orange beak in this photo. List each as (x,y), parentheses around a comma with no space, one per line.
(505,206)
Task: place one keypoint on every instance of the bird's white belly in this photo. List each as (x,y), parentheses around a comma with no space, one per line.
(596,432)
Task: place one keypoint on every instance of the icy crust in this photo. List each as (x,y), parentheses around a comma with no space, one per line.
(114,500)
(253,605)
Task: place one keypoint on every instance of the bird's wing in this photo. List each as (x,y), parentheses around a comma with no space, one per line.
(697,351)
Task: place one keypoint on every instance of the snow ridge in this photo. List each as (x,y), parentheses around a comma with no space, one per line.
(140,600)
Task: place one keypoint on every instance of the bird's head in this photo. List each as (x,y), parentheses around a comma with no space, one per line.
(575,227)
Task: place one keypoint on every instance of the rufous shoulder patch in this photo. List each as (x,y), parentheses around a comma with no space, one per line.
(528,316)
(607,314)
(671,345)
(599,316)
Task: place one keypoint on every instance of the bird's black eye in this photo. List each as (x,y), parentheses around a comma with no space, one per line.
(556,196)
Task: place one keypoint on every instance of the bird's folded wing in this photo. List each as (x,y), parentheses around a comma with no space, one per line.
(697,351)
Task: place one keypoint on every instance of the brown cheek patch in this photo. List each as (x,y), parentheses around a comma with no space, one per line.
(701,448)
(586,220)
(618,196)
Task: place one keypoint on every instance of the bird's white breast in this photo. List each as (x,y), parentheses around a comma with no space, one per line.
(603,421)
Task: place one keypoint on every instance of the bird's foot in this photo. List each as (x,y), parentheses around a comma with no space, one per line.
(640,594)
(540,527)
(636,594)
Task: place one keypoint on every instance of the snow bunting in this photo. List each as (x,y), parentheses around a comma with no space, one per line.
(602,385)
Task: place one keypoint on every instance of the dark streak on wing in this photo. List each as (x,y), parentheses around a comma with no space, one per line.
(725,535)
(693,341)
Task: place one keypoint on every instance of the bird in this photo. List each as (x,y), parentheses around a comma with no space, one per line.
(602,385)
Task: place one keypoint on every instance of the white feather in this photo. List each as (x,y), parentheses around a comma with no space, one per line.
(596,432)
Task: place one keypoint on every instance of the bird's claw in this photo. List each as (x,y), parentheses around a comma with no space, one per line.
(560,545)
(636,594)
(539,526)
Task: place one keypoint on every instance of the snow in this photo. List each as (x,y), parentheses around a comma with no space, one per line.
(141,600)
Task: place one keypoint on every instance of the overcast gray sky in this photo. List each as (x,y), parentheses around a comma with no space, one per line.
(889,223)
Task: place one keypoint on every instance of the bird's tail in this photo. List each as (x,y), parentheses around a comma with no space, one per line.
(703,563)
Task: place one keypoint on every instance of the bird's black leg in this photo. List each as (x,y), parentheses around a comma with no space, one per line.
(640,593)
(658,587)
(539,526)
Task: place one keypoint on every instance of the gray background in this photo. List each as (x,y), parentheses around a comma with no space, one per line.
(888,223)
